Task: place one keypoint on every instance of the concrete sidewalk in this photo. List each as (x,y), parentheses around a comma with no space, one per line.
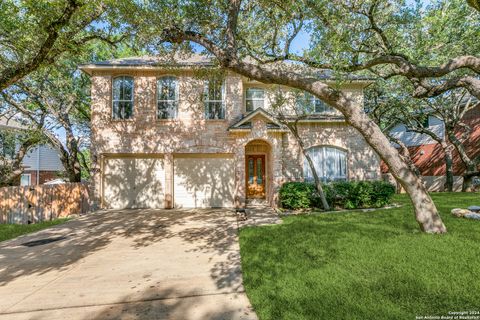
(130,264)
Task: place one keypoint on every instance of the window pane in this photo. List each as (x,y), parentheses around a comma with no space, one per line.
(250,171)
(167,109)
(214,106)
(330,164)
(122,109)
(259,171)
(116,112)
(305,103)
(214,90)
(167,98)
(122,104)
(214,110)
(167,88)
(255,98)
(255,93)
(249,105)
(25,180)
(127,89)
(117,87)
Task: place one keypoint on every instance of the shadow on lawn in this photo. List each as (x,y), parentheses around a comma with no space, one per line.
(375,265)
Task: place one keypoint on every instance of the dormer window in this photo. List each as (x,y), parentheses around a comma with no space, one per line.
(254,98)
(308,103)
(214,99)
(122,107)
(167,98)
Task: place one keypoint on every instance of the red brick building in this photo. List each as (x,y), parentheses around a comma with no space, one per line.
(428,155)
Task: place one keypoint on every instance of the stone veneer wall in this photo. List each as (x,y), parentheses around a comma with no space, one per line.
(191,133)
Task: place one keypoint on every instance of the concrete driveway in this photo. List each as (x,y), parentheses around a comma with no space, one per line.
(129,264)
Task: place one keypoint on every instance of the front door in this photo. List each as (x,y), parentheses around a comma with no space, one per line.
(255,172)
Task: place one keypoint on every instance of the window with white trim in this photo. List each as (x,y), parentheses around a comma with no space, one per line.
(167,98)
(122,107)
(308,103)
(25,179)
(213,98)
(254,98)
(330,164)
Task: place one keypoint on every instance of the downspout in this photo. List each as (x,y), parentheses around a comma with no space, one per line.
(38,165)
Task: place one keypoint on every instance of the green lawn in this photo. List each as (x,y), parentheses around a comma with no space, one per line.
(9,231)
(375,265)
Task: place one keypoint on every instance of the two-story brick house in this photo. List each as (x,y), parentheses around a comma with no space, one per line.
(166,134)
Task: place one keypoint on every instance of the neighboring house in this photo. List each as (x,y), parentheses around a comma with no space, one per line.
(41,163)
(164,135)
(428,155)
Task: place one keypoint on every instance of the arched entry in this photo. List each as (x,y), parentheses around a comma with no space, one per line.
(257,169)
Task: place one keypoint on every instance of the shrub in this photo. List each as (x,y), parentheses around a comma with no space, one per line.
(341,194)
(382,193)
(297,195)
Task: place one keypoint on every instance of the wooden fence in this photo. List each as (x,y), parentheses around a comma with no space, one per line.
(33,204)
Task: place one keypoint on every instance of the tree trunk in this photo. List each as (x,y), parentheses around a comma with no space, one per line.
(318,183)
(467,185)
(10,176)
(74,171)
(426,213)
(470,164)
(448,167)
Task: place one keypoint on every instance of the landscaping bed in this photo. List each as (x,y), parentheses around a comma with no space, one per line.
(303,196)
(364,265)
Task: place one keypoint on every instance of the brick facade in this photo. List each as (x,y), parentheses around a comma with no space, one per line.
(430,158)
(44,176)
(192,133)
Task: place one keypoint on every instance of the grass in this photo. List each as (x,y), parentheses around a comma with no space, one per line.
(10,231)
(355,265)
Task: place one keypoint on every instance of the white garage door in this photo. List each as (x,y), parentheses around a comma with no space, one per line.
(203,181)
(133,183)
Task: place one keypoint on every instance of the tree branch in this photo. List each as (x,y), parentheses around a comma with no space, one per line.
(14,73)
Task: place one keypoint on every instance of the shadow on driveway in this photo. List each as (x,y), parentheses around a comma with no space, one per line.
(132,264)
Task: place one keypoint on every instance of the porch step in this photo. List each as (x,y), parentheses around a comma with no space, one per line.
(256,203)
(257,212)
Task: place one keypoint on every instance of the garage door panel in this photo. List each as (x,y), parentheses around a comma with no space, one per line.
(203,182)
(149,183)
(134,183)
(118,178)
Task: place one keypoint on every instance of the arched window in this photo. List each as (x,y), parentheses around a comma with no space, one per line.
(254,98)
(330,164)
(167,98)
(122,98)
(213,96)
(308,103)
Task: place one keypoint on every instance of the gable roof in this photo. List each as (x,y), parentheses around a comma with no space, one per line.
(243,124)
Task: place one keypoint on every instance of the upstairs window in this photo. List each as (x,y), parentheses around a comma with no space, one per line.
(255,98)
(167,98)
(122,98)
(213,99)
(330,164)
(308,103)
